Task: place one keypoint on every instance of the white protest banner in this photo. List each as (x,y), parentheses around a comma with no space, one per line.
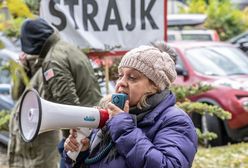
(107,24)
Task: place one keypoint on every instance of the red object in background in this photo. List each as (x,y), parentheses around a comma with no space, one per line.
(216,36)
(98,61)
(226,67)
(107,61)
(165,21)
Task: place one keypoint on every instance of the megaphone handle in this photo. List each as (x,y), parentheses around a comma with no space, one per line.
(73,155)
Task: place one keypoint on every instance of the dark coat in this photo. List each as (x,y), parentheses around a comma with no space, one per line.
(68,74)
(166,137)
(41,152)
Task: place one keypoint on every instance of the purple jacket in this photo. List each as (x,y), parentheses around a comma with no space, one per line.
(166,137)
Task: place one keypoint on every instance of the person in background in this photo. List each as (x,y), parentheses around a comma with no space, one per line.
(151,131)
(42,151)
(68,76)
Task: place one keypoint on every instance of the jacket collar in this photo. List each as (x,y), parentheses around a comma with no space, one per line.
(53,39)
(149,119)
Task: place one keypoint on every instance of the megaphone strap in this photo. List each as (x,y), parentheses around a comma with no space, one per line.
(100,155)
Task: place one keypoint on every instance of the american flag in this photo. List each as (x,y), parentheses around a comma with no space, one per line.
(48,74)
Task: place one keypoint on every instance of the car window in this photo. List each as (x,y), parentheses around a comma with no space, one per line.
(179,61)
(236,58)
(199,37)
(4,91)
(171,37)
(244,38)
(219,61)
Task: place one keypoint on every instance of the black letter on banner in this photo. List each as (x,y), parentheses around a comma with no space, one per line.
(131,26)
(59,14)
(146,13)
(71,4)
(90,16)
(112,5)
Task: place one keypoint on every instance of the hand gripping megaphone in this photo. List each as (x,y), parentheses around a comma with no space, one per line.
(37,115)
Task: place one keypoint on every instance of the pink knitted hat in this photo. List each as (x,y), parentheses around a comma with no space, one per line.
(154,64)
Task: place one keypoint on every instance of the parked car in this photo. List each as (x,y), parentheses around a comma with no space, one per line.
(193,35)
(241,41)
(188,27)
(185,20)
(226,68)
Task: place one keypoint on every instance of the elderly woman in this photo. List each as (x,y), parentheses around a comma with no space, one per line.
(150,132)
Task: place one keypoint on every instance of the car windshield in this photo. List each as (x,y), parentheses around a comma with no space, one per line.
(218,61)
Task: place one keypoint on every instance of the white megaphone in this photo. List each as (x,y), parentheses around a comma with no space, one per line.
(37,115)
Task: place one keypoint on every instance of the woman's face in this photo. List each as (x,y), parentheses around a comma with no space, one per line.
(133,83)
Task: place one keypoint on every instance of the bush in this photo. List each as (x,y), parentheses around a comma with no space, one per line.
(18,11)
(182,94)
(222,16)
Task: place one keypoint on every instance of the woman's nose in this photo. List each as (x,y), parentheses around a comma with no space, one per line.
(122,82)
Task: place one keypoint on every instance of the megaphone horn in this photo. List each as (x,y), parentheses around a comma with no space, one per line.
(38,115)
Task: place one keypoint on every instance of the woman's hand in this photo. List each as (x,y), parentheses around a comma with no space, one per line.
(113,109)
(72,145)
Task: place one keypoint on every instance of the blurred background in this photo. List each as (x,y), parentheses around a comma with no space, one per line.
(210,38)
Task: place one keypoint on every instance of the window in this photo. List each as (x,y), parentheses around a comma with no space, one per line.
(199,37)
(218,61)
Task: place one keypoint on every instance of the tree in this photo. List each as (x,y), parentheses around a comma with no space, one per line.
(34,5)
(227,20)
(18,11)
